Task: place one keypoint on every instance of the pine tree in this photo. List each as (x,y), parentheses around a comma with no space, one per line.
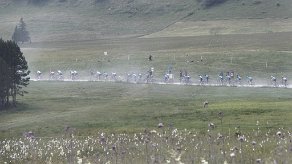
(15,36)
(4,77)
(20,33)
(13,73)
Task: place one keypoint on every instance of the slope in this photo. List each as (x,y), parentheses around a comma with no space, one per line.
(56,20)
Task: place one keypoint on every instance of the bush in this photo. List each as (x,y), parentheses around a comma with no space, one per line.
(210,3)
(37,2)
(257,2)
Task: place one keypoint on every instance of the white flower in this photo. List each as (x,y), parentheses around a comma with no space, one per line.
(153,131)
(204,161)
(241,138)
(211,125)
(62,153)
(7,147)
(232,155)
(174,131)
(253,143)
(79,160)
(220,136)
(258,160)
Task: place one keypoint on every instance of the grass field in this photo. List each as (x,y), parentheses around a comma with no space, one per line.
(224,27)
(124,111)
(126,116)
(118,122)
(92,106)
(62,102)
(257,55)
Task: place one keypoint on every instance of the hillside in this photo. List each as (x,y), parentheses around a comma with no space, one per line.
(60,20)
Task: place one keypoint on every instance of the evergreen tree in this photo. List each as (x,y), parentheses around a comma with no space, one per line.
(13,73)
(15,36)
(4,78)
(20,33)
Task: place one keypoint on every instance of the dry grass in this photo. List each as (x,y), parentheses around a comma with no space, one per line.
(224,27)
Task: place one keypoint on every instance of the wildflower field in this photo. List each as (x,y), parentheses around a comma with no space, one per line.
(96,122)
(165,145)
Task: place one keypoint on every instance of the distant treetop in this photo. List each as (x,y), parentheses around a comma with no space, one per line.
(20,33)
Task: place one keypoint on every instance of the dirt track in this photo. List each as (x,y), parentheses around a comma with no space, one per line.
(174,83)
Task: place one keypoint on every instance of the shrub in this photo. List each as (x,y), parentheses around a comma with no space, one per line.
(210,3)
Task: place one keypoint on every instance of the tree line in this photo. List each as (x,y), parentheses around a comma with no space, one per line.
(13,73)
